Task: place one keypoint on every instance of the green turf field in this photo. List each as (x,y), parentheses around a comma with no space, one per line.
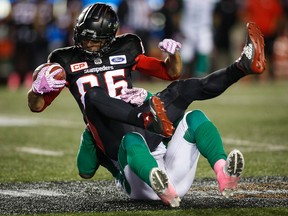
(252,117)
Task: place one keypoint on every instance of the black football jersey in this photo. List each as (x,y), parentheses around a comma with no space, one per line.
(111,72)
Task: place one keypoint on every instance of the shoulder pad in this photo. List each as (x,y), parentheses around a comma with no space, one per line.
(62,55)
(131,42)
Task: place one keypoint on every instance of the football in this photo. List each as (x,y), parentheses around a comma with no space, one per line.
(49,68)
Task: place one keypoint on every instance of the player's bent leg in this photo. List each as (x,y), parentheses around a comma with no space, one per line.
(181,158)
(137,156)
(206,136)
(97,99)
(209,142)
(228,172)
(87,162)
(196,128)
(134,152)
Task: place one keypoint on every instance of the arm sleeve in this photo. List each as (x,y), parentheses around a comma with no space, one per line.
(49,97)
(152,66)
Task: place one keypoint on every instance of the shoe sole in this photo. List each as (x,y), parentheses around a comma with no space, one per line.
(256,37)
(159,183)
(158,111)
(235,163)
(234,168)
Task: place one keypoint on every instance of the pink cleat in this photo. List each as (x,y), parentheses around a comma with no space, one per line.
(228,172)
(165,190)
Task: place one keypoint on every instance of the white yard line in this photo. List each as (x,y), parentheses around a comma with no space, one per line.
(30,193)
(254,146)
(24,121)
(38,151)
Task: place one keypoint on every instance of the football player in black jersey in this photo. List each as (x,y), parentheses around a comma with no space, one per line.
(101,63)
(101,59)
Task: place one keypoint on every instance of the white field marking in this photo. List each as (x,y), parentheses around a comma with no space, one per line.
(255,146)
(215,193)
(22,121)
(255,192)
(29,193)
(38,151)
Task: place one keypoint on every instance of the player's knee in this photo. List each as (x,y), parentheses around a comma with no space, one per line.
(195,118)
(132,139)
(92,95)
(86,176)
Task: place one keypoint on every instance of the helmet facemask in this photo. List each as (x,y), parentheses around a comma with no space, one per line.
(87,37)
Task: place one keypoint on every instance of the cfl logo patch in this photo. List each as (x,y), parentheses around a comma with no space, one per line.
(78,66)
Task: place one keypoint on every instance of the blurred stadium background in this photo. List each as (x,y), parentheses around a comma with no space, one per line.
(31,29)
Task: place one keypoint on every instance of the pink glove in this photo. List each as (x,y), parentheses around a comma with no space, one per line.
(45,83)
(169,46)
(134,96)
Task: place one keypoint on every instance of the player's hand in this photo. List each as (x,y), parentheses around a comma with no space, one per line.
(169,46)
(45,83)
(134,96)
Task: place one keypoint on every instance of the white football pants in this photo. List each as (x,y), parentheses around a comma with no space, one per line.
(179,161)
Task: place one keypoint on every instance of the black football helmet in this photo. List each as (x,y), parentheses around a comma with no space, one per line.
(96,22)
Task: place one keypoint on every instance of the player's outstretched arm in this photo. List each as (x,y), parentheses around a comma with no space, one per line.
(173,61)
(168,69)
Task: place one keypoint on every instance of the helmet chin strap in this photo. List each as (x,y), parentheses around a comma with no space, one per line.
(90,55)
